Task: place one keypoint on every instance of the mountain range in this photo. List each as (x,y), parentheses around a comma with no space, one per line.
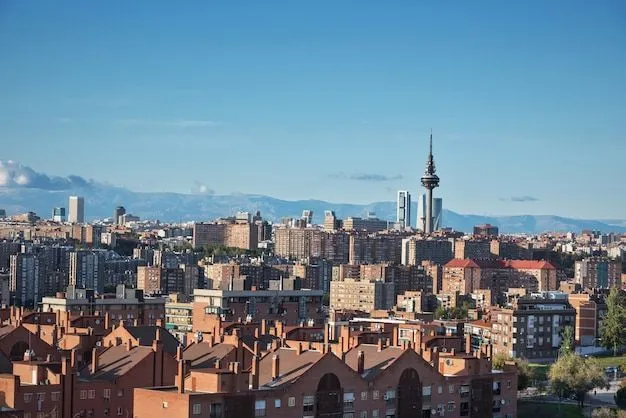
(101,199)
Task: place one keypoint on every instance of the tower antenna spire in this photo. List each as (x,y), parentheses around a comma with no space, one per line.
(431,141)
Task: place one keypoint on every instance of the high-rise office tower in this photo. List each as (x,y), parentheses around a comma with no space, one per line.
(421,211)
(307,216)
(77,210)
(403,209)
(430,180)
(437,213)
(119,212)
(58,214)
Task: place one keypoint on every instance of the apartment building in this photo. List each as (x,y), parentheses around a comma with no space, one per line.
(531,328)
(586,325)
(472,248)
(230,233)
(162,281)
(26,282)
(289,306)
(598,272)
(87,269)
(365,224)
(373,380)
(361,294)
(298,243)
(416,250)
(125,305)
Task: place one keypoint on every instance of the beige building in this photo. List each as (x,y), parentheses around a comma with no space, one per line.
(361,295)
(598,272)
(298,243)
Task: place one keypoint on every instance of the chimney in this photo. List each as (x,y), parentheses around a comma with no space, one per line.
(157,335)
(468,343)
(49,358)
(394,336)
(181,376)
(360,368)
(263,326)
(380,344)
(435,358)
(299,348)
(254,377)
(217,364)
(73,358)
(136,322)
(107,320)
(94,360)
(275,367)
(179,352)
(159,323)
(453,351)
(129,345)
(489,351)
(255,348)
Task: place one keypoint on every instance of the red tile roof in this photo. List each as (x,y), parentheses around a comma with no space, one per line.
(530,265)
(462,263)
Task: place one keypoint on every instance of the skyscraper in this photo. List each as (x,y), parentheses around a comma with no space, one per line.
(437,213)
(117,215)
(77,210)
(430,180)
(58,214)
(403,209)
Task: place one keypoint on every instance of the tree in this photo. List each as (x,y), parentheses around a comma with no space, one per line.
(613,331)
(575,375)
(620,398)
(524,372)
(567,341)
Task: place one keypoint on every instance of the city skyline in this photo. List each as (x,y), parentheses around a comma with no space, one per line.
(514,94)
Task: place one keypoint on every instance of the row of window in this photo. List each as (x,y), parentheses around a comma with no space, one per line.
(84,394)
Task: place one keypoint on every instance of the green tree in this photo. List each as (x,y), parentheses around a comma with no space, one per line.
(524,372)
(613,331)
(575,375)
(567,341)
(620,398)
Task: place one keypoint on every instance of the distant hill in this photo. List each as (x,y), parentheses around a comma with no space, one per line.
(101,199)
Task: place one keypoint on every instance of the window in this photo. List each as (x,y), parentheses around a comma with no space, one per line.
(92,394)
(41,414)
(291,401)
(54,414)
(26,414)
(41,396)
(464,409)
(106,411)
(308,405)
(83,394)
(364,396)
(164,405)
(27,398)
(508,384)
(450,406)
(259,408)
(363,414)
(120,393)
(348,401)
(450,388)
(119,411)
(426,393)
(375,413)
(276,403)
(106,393)
(348,415)
(196,409)
(55,396)
(375,395)
(440,389)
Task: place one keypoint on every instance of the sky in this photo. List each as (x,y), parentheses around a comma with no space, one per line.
(331,100)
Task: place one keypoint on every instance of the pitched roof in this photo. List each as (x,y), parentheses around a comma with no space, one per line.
(116,361)
(147,334)
(375,361)
(203,355)
(530,264)
(461,263)
(291,366)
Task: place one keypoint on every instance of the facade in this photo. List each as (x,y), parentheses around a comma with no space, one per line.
(437,213)
(235,234)
(364,380)
(477,249)
(361,295)
(178,318)
(118,215)
(289,306)
(598,272)
(76,210)
(58,215)
(403,209)
(365,224)
(298,243)
(486,230)
(532,327)
(27,277)
(125,305)
(87,269)
(586,324)
(417,250)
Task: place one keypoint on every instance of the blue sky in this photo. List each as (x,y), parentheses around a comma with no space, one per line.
(325,99)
